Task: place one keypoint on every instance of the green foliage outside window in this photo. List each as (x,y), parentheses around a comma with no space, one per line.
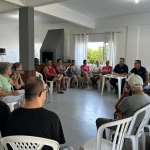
(93,55)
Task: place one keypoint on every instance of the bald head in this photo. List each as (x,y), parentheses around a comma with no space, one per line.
(33,87)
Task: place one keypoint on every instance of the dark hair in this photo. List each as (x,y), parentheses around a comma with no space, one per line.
(73,61)
(16,65)
(138,61)
(33,87)
(84,61)
(123,59)
(58,60)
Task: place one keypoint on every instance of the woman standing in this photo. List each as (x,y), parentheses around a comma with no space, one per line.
(51,75)
(17,67)
(85,71)
(62,71)
(72,73)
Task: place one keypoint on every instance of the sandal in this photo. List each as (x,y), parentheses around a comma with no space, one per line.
(65,88)
(61,92)
(83,87)
(71,86)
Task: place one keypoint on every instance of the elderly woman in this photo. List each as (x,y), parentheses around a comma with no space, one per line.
(85,71)
(62,71)
(96,71)
(51,75)
(6,94)
(17,67)
(72,72)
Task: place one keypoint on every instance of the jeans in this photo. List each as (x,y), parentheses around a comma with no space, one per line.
(114,81)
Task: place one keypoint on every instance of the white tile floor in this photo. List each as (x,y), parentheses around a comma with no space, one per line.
(78,110)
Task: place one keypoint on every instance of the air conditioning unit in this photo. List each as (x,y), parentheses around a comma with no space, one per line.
(2,51)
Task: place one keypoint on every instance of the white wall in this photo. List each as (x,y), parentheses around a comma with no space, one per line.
(9,39)
(137,36)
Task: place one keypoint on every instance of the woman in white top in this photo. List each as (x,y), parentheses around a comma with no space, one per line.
(96,71)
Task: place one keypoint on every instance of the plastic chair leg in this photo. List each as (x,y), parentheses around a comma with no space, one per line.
(51,87)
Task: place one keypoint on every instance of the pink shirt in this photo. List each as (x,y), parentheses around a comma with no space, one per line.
(85,69)
(51,70)
(106,69)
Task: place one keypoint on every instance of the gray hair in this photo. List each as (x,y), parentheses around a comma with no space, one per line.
(133,88)
(97,60)
(5,66)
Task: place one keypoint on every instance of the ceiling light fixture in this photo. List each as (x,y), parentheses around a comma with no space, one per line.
(136,1)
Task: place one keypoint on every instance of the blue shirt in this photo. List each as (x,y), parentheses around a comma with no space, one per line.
(141,72)
(120,70)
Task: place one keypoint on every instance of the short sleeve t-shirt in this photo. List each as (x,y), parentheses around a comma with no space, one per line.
(37,122)
(4,115)
(120,70)
(85,69)
(5,84)
(131,104)
(96,69)
(141,72)
(106,69)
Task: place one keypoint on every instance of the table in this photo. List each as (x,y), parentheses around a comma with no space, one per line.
(119,78)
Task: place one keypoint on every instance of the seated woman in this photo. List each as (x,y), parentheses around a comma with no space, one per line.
(51,75)
(17,67)
(85,71)
(62,71)
(72,73)
(96,71)
(6,94)
(105,70)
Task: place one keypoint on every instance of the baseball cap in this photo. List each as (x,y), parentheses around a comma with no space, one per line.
(135,81)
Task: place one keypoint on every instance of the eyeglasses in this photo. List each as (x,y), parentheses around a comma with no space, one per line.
(43,90)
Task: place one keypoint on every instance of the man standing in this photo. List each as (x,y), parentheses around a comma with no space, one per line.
(141,71)
(119,70)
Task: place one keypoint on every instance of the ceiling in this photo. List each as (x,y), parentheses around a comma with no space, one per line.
(12,18)
(108,8)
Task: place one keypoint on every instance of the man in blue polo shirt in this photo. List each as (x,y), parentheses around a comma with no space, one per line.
(141,71)
(120,70)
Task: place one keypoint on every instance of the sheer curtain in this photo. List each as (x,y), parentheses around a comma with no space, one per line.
(112,48)
(81,41)
(37,48)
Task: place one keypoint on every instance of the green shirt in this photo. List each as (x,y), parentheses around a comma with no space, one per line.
(5,84)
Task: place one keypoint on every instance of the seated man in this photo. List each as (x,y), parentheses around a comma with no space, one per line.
(119,70)
(4,115)
(105,70)
(128,105)
(141,71)
(32,119)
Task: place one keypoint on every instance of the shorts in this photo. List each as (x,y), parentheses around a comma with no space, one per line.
(82,75)
(50,78)
(70,75)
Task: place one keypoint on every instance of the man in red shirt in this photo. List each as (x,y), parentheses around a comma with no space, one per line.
(105,70)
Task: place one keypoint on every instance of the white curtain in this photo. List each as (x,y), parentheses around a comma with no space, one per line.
(112,48)
(37,47)
(81,42)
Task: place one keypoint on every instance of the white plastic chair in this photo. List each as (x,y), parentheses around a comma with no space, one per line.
(1,145)
(107,84)
(140,130)
(103,144)
(11,105)
(28,143)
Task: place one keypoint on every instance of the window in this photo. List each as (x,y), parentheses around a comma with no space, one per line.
(97,51)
